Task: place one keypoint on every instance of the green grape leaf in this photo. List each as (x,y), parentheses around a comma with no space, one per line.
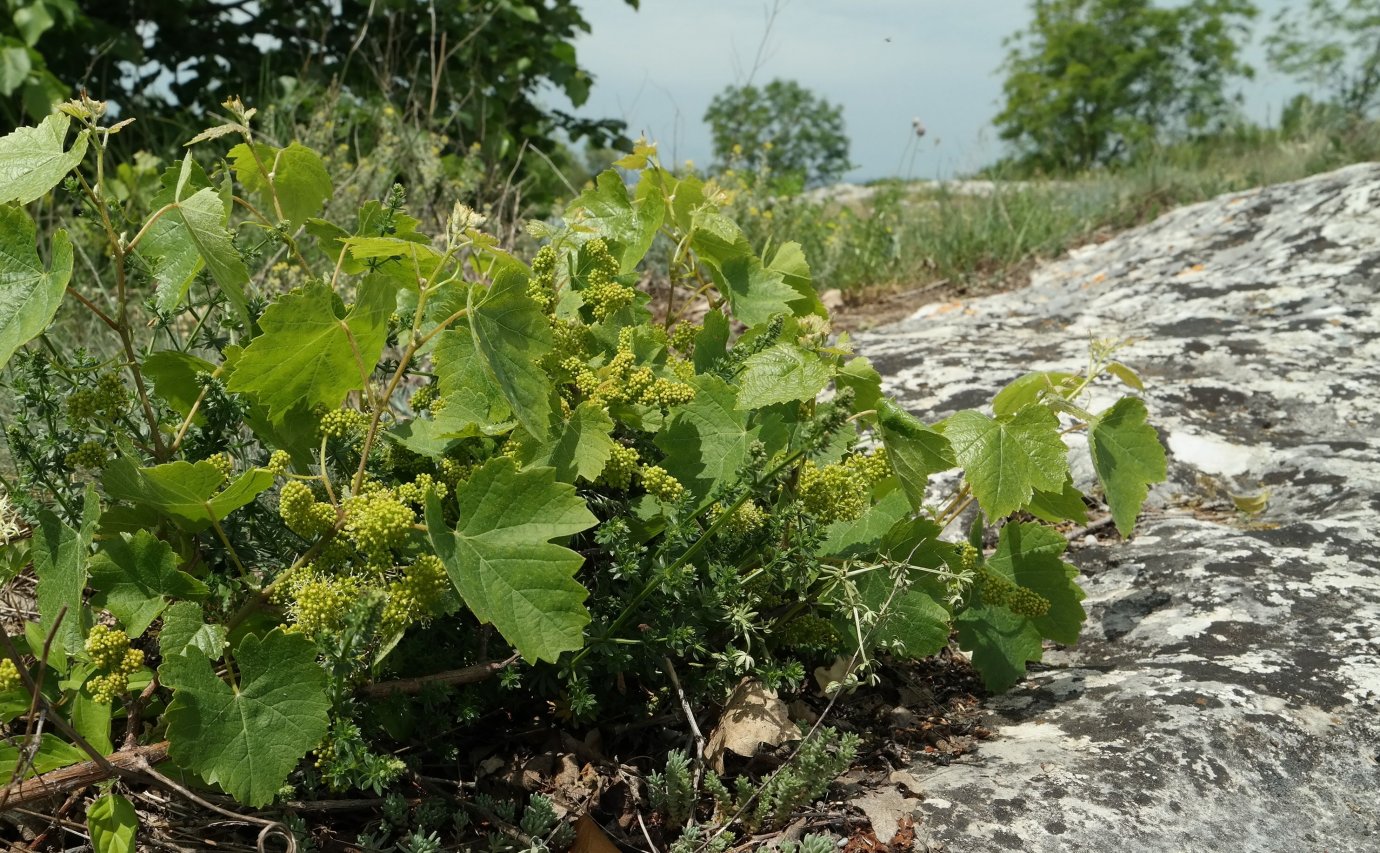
(134,576)
(754,291)
(52,754)
(184,628)
(1006,459)
(249,737)
(629,223)
(1027,389)
(913,625)
(307,355)
(299,176)
(782,373)
(92,719)
(866,382)
(706,440)
(30,292)
(1128,457)
(502,562)
(174,376)
(417,262)
(789,262)
(189,493)
(861,536)
(190,235)
(60,563)
(913,450)
(1063,505)
(577,447)
(112,824)
(33,159)
(711,344)
(511,334)
(1028,554)
(999,643)
(472,394)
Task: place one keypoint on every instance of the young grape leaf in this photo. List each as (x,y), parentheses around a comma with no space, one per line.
(307,355)
(1054,507)
(577,447)
(860,536)
(999,644)
(134,576)
(175,379)
(30,293)
(92,719)
(711,344)
(185,628)
(630,223)
(52,753)
(789,261)
(249,737)
(782,373)
(707,440)
(502,562)
(914,451)
(33,160)
(1128,457)
(753,292)
(1027,389)
(512,334)
(1028,555)
(417,261)
(1006,459)
(299,177)
(913,625)
(189,493)
(464,380)
(60,562)
(112,824)
(190,235)
(866,382)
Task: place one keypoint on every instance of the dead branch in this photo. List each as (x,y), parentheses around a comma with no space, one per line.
(66,779)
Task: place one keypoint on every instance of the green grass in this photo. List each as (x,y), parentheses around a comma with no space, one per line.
(908,235)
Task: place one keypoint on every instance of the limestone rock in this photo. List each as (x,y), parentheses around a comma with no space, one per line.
(1226,694)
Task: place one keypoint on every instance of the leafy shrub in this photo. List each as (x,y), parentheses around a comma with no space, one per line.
(277,517)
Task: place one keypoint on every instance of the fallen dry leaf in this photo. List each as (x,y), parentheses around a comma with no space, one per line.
(754,716)
(591,838)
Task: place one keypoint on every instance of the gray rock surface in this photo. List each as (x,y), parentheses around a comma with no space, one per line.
(1226,693)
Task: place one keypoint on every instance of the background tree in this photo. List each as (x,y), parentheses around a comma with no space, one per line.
(1334,45)
(1091,82)
(799,135)
(468,68)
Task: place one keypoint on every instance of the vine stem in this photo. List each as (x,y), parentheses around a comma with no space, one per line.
(121,327)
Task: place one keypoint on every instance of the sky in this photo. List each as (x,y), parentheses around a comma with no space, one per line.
(887,62)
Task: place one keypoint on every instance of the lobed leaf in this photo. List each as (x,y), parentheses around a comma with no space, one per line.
(1006,459)
(33,160)
(30,292)
(1128,457)
(782,373)
(307,355)
(134,577)
(502,562)
(188,493)
(249,737)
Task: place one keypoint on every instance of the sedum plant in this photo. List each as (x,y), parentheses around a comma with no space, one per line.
(278,514)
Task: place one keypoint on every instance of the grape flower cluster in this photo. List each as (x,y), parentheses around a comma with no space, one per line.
(114,660)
